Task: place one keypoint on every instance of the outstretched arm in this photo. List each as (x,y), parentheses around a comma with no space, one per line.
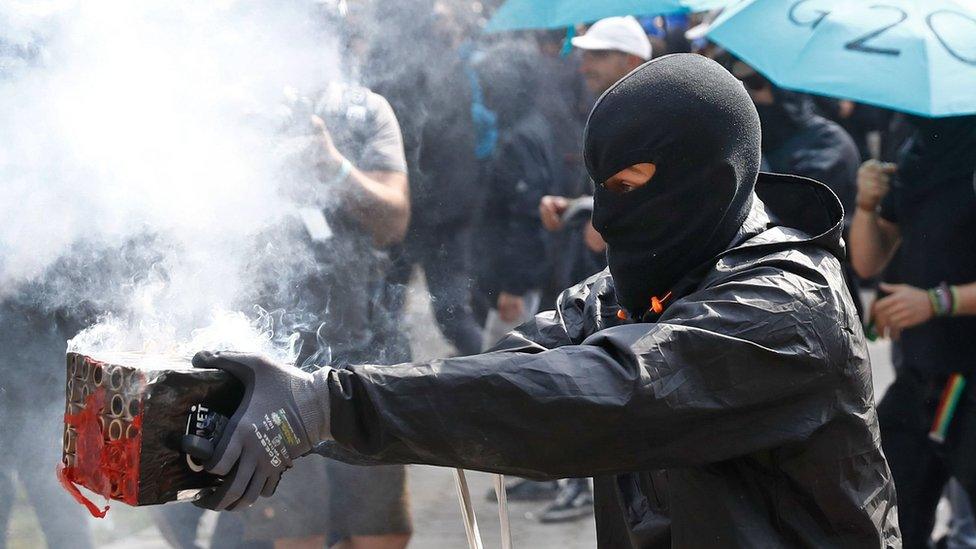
(743,366)
(751,363)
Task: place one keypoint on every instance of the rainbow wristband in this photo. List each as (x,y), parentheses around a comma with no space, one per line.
(951,396)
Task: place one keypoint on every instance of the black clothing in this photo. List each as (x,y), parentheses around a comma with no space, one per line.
(933,202)
(656,234)
(523,168)
(564,102)
(864,120)
(430,93)
(511,236)
(921,467)
(431,96)
(753,389)
(446,262)
(799,142)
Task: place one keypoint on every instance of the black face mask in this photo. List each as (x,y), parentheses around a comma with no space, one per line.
(941,151)
(696,123)
(780,121)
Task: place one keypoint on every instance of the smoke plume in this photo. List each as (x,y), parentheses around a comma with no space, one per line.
(140,161)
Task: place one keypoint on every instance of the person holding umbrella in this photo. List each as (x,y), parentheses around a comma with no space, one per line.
(720,345)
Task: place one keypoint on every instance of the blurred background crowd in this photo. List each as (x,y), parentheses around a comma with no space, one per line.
(461,148)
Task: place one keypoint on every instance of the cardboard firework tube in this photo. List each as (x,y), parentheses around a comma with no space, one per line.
(125,418)
(117,405)
(97,375)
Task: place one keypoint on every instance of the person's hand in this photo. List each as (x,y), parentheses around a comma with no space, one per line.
(510,307)
(904,307)
(845,108)
(325,154)
(551,210)
(282,416)
(873,183)
(593,240)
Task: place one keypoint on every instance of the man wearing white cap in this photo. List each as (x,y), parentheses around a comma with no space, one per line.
(612,47)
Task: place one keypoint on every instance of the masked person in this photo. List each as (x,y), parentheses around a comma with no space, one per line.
(924,208)
(796,140)
(720,346)
(523,168)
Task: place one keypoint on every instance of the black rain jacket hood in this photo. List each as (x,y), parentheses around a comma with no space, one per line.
(691,118)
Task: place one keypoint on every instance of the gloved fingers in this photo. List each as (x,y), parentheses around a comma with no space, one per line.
(203,359)
(231,363)
(251,360)
(251,494)
(205,501)
(211,499)
(271,484)
(235,484)
(228,450)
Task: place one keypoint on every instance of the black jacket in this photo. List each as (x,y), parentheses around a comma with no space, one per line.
(752,390)
(522,170)
(817,148)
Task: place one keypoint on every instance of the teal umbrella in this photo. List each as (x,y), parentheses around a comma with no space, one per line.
(548,14)
(917,56)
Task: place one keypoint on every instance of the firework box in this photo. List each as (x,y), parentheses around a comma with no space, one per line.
(126,415)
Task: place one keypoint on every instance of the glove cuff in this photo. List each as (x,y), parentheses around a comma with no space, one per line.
(312,397)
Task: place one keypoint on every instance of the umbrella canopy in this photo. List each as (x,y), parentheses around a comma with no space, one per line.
(917,56)
(547,14)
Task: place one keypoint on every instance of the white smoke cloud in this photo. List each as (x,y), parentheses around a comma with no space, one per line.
(143,120)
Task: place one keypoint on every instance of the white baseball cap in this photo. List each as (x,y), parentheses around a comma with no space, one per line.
(623,34)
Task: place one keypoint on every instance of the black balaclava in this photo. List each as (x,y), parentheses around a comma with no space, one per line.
(691,118)
(941,151)
(790,113)
(508,74)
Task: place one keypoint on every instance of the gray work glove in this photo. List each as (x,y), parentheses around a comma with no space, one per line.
(284,413)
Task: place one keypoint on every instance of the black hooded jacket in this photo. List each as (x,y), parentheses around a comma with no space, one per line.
(751,391)
(798,141)
(523,168)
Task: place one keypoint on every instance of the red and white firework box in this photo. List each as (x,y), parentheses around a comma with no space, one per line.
(125,417)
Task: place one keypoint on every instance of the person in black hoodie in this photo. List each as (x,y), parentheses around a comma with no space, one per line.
(523,168)
(719,347)
(796,140)
(925,209)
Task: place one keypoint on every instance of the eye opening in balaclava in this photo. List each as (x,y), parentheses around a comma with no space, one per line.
(692,119)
